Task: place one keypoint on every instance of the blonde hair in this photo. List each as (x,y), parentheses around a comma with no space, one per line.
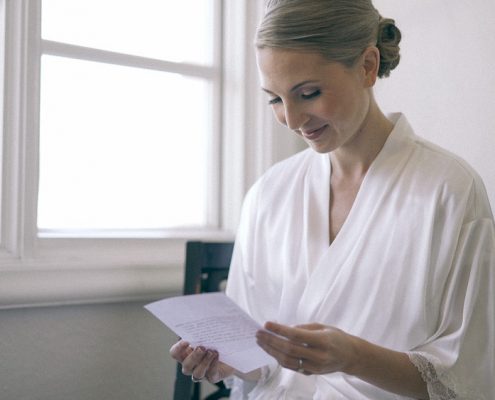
(340,30)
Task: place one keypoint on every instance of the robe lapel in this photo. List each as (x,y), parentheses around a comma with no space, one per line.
(331,267)
(316,211)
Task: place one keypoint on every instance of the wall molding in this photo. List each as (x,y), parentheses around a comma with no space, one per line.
(35,288)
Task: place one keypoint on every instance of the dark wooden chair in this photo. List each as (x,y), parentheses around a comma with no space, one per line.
(207,266)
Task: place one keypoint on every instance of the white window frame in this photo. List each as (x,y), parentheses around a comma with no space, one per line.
(53,270)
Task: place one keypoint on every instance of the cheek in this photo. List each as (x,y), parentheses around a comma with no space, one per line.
(327,107)
(279,113)
(341,106)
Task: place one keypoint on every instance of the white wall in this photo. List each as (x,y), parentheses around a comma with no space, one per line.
(445,82)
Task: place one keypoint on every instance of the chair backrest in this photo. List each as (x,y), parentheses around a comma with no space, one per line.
(206,267)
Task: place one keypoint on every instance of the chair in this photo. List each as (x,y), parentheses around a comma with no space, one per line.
(207,266)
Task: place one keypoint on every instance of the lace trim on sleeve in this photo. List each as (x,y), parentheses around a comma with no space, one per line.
(436,389)
(441,386)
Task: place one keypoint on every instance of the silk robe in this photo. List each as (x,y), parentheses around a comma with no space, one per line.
(412,269)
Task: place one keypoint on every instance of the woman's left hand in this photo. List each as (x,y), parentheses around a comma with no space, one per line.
(309,349)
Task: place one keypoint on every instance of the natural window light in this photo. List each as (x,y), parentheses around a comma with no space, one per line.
(172,30)
(123,147)
(119,156)
(128,128)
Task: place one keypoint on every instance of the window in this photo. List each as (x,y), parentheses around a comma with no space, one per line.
(128,115)
(115,152)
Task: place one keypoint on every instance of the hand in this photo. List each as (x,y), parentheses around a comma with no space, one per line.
(200,362)
(321,349)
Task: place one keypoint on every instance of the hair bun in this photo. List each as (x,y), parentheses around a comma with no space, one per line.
(388,40)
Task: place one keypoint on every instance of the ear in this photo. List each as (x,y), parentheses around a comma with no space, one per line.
(371,64)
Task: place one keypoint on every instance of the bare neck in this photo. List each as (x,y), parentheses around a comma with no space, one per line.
(353,160)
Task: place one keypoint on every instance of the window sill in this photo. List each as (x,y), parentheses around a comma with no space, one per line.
(97,270)
(176,233)
(34,288)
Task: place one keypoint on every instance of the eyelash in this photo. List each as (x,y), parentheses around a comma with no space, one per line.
(309,96)
(312,95)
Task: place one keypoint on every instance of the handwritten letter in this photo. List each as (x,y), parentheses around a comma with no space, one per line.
(214,321)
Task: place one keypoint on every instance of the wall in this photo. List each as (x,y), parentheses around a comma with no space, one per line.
(90,352)
(445,82)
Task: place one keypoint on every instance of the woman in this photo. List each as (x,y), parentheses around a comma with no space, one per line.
(374,249)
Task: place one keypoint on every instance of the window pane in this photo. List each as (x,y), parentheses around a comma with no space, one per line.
(174,30)
(121,148)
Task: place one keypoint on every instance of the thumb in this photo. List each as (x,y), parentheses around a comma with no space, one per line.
(312,326)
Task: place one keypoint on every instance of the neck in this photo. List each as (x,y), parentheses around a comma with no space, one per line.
(353,160)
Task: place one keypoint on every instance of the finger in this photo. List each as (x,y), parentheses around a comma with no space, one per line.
(312,327)
(289,361)
(292,348)
(180,350)
(212,372)
(193,360)
(283,346)
(200,370)
(283,358)
(288,352)
(294,334)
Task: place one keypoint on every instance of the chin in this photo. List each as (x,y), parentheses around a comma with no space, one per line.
(322,148)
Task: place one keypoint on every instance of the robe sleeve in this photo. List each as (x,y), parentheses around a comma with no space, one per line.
(458,361)
(241,287)
(240,284)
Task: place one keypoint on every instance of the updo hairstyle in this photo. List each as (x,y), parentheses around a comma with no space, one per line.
(340,30)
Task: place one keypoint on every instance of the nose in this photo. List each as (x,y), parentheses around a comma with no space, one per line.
(292,116)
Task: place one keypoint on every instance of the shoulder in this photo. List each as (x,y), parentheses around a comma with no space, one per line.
(295,164)
(282,184)
(286,172)
(428,157)
(450,176)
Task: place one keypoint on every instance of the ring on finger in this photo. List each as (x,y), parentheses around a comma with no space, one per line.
(300,367)
(196,380)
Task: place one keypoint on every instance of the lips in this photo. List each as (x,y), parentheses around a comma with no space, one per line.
(313,134)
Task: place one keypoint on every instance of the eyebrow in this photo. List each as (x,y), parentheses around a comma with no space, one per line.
(294,88)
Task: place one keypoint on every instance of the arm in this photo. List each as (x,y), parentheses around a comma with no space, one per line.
(324,349)
(388,369)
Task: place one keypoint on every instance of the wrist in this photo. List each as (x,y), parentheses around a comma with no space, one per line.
(356,357)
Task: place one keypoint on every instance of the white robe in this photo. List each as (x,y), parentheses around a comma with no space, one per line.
(412,269)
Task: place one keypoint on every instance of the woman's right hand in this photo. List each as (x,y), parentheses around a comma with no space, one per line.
(200,363)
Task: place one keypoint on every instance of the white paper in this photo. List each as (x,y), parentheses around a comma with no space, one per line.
(214,321)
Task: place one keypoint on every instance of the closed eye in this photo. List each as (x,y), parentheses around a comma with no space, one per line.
(312,95)
(305,96)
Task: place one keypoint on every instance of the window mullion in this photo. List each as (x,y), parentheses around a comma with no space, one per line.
(21,127)
(214,182)
(104,56)
(2,93)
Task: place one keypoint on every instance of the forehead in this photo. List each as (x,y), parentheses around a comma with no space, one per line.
(282,68)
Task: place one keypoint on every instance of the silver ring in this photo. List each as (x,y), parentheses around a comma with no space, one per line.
(196,380)
(300,366)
